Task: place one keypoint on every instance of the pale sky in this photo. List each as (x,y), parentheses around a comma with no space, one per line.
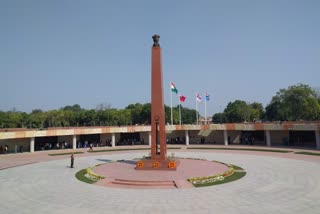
(64,52)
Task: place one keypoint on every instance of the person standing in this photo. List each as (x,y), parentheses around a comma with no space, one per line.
(72,160)
(90,147)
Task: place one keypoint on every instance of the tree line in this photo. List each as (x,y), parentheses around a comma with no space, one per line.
(297,102)
(74,116)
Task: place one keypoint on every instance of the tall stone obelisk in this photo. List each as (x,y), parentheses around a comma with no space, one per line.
(158,129)
(158,160)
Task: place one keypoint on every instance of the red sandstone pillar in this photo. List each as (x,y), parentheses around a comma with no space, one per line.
(158,129)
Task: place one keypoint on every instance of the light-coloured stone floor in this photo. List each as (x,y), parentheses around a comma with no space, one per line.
(272,185)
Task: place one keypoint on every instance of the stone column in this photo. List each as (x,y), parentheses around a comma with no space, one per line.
(158,128)
(150,139)
(225,136)
(32,144)
(113,140)
(268,137)
(317,132)
(74,142)
(187,138)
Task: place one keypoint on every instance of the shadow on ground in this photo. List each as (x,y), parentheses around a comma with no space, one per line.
(105,160)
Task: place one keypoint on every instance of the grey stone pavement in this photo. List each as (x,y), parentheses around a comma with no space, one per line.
(272,185)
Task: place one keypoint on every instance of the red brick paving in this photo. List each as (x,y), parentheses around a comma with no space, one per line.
(188,168)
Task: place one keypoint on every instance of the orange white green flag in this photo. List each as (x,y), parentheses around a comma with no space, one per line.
(173,88)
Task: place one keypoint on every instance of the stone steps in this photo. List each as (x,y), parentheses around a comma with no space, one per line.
(169,184)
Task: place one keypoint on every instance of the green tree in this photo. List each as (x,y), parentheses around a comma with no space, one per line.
(14,119)
(112,117)
(124,117)
(135,109)
(146,114)
(237,111)
(75,107)
(297,102)
(35,119)
(11,119)
(219,118)
(2,119)
(257,111)
(188,116)
(52,119)
(89,117)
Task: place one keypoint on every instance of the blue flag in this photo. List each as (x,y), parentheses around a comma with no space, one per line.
(207,96)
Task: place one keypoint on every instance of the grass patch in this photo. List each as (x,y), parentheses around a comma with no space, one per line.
(307,153)
(234,166)
(243,149)
(237,167)
(80,176)
(115,150)
(235,176)
(66,153)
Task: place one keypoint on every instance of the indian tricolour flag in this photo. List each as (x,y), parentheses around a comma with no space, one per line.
(173,88)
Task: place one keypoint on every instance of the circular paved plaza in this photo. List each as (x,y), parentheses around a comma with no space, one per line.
(272,185)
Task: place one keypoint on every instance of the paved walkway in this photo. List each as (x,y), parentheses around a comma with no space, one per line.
(275,183)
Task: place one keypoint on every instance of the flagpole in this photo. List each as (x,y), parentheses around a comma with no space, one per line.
(197,111)
(179,111)
(205,111)
(171,107)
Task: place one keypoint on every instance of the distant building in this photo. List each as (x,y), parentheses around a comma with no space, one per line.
(203,120)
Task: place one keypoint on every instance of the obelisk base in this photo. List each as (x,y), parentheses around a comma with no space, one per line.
(170,165)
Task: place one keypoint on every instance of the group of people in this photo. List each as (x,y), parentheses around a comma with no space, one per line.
(48,145)
(177,140)
(130,141)
(87,144)
(247,139)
